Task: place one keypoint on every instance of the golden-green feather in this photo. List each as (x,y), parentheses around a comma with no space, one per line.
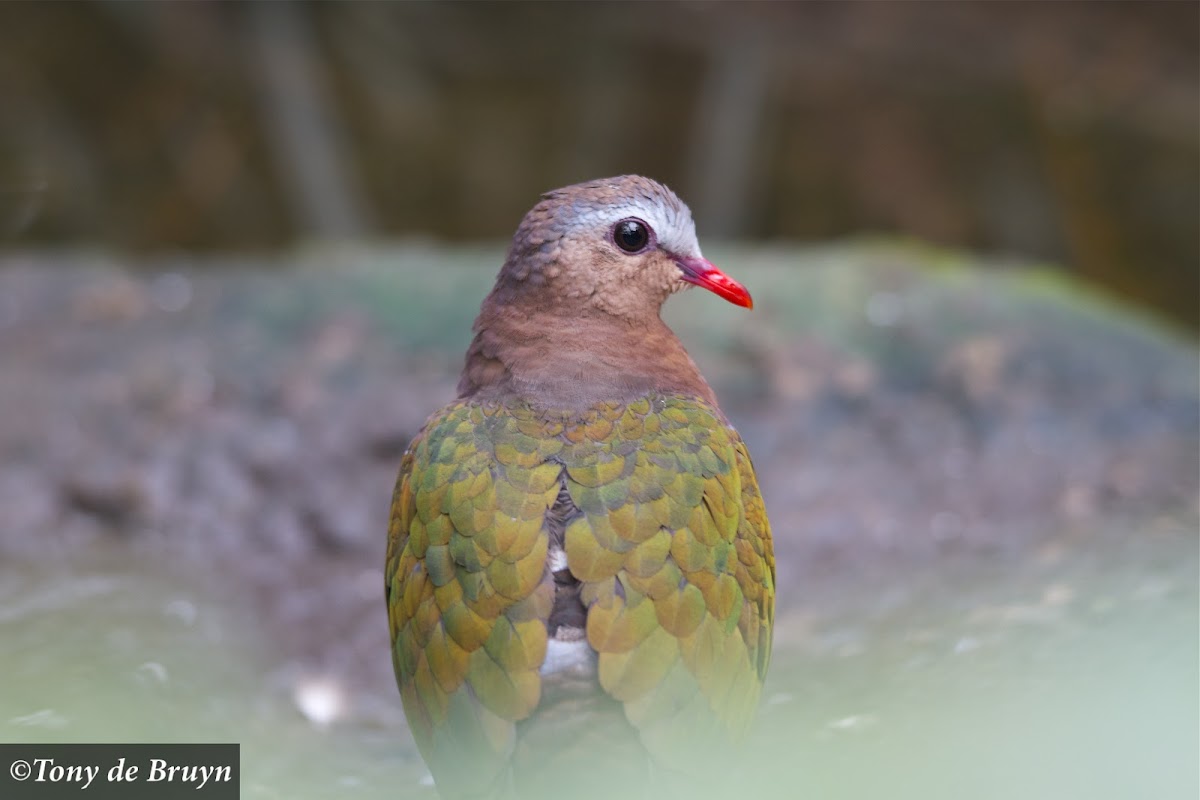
(671,546)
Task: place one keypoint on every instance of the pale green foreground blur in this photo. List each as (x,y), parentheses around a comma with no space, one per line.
(1061,666)
(992,686)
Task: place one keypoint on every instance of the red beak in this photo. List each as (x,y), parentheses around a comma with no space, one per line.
(700,272)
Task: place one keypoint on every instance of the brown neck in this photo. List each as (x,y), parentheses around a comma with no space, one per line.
(574,359)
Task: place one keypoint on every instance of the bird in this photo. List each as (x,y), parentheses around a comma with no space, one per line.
(580,576)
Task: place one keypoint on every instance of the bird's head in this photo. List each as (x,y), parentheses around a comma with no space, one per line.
(618,245)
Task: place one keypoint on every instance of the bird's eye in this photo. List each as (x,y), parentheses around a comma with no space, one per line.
(631,235)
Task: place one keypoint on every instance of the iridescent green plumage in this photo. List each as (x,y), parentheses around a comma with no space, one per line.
(668,538)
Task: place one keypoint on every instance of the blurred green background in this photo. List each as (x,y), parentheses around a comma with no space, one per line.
(1064,132)
(241,246)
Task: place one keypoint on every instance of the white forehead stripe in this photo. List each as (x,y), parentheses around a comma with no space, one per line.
(674,228)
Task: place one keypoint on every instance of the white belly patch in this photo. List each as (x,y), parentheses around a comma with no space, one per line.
(574,656)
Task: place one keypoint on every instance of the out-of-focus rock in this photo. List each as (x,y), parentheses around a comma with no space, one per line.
(250,423)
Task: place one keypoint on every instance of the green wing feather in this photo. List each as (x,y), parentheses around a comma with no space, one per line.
(468,593)
(675,556)
(672,547)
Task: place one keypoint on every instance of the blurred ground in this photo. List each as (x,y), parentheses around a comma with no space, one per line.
(983,485)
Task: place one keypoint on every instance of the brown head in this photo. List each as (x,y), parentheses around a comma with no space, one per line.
(574,315)
(618,245)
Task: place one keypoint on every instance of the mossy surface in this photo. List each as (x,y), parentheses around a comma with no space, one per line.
(982,486)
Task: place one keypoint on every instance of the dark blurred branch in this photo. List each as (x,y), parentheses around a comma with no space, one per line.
(307,137)
(597,128)
(727,126)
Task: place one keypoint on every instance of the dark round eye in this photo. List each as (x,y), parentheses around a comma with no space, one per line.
(631,235)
